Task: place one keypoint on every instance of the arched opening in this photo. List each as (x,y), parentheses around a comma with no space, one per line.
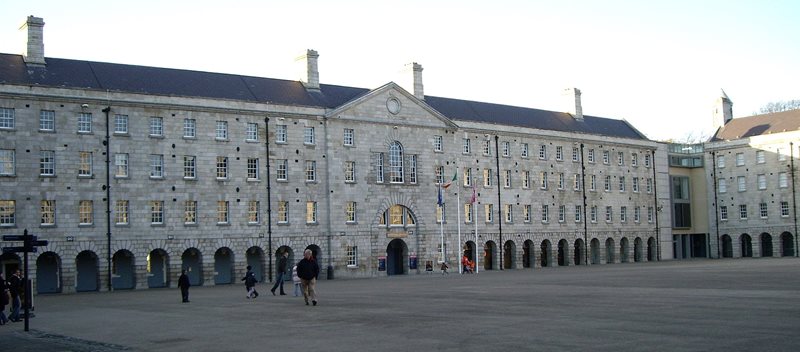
(396,254)
(489,249)
(595,253)
(192,262)
(289,261)
(637,250)
(48,273)
(316,253)
(787,245)
(469,252)
(546,257)
(624,248)
(766,245)
(123,272)
(746,243)
(254,257)
(528,250)
(651,249)
(86,277)
(578,255)
(157,269)
(223,267)
(727,246)
(563,249)
(509,251)
(610,250)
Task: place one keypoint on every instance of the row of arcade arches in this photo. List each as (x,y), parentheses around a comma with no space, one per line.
(765,245)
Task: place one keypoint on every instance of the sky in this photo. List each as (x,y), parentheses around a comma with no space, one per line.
(660,65)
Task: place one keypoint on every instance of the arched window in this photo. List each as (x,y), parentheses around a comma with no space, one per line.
(397,215)
(395,162)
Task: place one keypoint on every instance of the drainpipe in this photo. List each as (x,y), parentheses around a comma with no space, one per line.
(716,200)
(107,143)
(328,195)
(583,191)
(794,195)
(655,194)
(269,201)
(499,204)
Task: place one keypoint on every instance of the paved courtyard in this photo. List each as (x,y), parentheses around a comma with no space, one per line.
(703,305)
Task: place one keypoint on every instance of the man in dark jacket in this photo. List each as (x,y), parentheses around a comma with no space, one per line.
(15,287)
(4,300)
(307,271)
(281,273)
(183,283)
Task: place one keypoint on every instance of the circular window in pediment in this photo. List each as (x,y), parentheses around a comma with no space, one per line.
(393,105)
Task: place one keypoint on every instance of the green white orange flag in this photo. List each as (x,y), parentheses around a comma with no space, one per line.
(455,177)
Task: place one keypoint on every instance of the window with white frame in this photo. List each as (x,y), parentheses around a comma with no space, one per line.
(120,165)
(562,213)
(649,184)
(379,168)
(636,214)
(280,134)
(507,179)
(526,213)
(742,183)
(781,154)
(509,213)
(121,212)
(47,120)
(762,181)
(252,169)
(609,214)
(156,166)
(311,212)
(466,147)
(487,177)
(311,171)
(438,172)
(437,143)
(85,212)
(487,147)
(650,214)
(47,163)
(349,137)
(561,181)
(488,210)
(8,212)
(506,148)
(308,135)
(593,214)
(576,155)
(223,212)
(85,122)
(739,159)
(524,150)
(221,130)
(721,162)
(352,256)
(623,214)
(743,211)
(634,159)
(783,181)
(542,152)
(592,183)
(606,157)
(349,171)
(622,183)
(120,124)
(723,213)
(189,166)
(156,212)
(543,180)
(283,212)
(48,212)
(784,209)
(620,158)
(252,132)
(762,210)
(590,156)
(760,157)
(578,213)
(396,162)
(8,164)
(189,128)
(468,213)
(526,179)
(222,167)
(350,212)
(545,213)
(467,176)
(635,185)
(576,182)
(7,118)
(559,153)
(189,212)
(282,169)
(412,169)
(156,126)
(647,160)
(253,212)
(607,184)
(84,164)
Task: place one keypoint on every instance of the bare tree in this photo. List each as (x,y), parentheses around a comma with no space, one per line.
(779,106)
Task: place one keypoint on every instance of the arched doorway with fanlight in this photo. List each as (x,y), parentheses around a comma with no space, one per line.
(528,257)
(399,223)
(787,245)
(546,256)
(48,273)
(509,255)
(396,257)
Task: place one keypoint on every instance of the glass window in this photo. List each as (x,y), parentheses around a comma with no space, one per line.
(156,212)
(308,135)
(762,210)
(742,183)
(760,157)
(85,164)
(121,212)
(524,150)
(592,182)
(222,212)
(647,160)
(352,256)
(8,212)
(593,214)
(739,159)
(543,180)
(636,214)
(349,137)
(412,166)
(635,185)
(283,212)
(311,170)
(311,212)
(253,212)
(509,212)
(606,157)
(622,183)
(379,167)
(559,153)
(280,134)
(47,120)
(85,212)
(723,213)
(349,171)
(562,213)
(623,214)
(545,213)
(607,184)
(252,169)
(190,212)
(489,212)
(762,181)
(487,147)
(561,181)
(543,152)
(7,162)
(784,209)
(507,179)
(526,213)
(634,159)
(621,158)
(121,165)
(120,124)
(221,130)
(48,211)
(222,167)
(783,181)
(576,154)
(395,162)
(350,212)
(189,166)
(487,177)
(252,132)
(506,148)
(85,122)
(467,176)
(156,166)
(743,211)
(47,163)
(526,179)
(467,148)
(6,118)
(723,185)
(156,126)
(590,156)
(282,169)
(721,162)
(437,143)
(578,213)
(189,128)
(468,213)
(609,214)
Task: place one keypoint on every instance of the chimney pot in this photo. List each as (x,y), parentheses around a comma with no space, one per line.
(34,48)
(309,75)
(574,103)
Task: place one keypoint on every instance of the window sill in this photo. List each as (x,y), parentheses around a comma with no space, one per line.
(121,134)
(85,176)
(251,140)
(160,224)
(47,131)
(352,266)
(85,132)
(253,224)
(85,225)
(47,176)
(156,136)
(189,137)
(312,223)
(223,224)
(221,139)
(255,180)
(47,226)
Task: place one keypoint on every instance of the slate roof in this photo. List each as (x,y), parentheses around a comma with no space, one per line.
(744,127)
(186,83)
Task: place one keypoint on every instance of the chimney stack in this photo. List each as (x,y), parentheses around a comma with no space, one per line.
(309,75)
(574,103)
(723,111)
(34,50)
(413,80)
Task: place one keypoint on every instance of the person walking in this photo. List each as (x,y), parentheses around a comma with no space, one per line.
(4,299)
(15,288)
(307,271)
(183,283)
(250,282)
(296,281)
(281,272)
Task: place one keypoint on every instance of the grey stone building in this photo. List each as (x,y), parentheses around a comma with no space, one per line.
(132,173)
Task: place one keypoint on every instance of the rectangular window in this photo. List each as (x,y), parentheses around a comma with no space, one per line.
(311,212)
(352,256)
(85,212)
(590,156)
(282,171)
(8,211)
(349,137)
(468,213)
(120,124)
(649,184)
(252,132)
(487,177)
(311,171)
(526,179)
(592,183)
(283,212)
(488,210)
(722,184)
(223,212)
(622,183)
(47,120)
(437,143)
(440,211)
(189,166)
(784,209)
(723,213)
(467,148)
(6,118)
(739,159)
(120,165)
(85,122)
(561,181)
(609,214)
(412,166)
(576,182)
(47,163)
(743,211)
(222,167)
(252,169)
(562,213)
(620,158)
(190,212)
(634,159)
(308,135)
(576,155)
(507,179)
(783,181)
(637,214)
(543,180)
(379,168)
(121,212)
(48,211)
(506,149)
(543,152)
(647,160)
(635,185)
(156,166)
(623,214)
(762,210)
(762,181)
(156,212)
(545,213)
(606,157)
(156,126)
(467,176)
(781,154)
(280,134)
(221,130)
(349,171)
(487,147)
(350,212)
(253,212)
(578,213)
(741,181)
(721,162)
(526,213)
(760,157)
(593,214)
(8,164)
(85,164)
(524,150)
(509,213)
(189,128)
(607,184)
(650,212)
(559,153)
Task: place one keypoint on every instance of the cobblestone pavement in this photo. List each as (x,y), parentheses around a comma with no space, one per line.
(701,305)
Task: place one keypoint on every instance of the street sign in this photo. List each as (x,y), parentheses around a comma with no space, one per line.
(13,249)
(14,237)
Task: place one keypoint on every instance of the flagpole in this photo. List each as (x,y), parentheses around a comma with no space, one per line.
(475,220)
(458,213)
(441,221)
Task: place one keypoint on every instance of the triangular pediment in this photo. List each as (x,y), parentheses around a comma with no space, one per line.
(391,104)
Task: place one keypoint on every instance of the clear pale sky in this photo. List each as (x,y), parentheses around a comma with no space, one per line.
(658,64)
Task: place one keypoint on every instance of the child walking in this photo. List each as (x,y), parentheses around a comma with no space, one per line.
(296,281)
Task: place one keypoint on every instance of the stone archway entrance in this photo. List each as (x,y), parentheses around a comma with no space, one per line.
(766,245)
(637,249)
(157,269)
(610,251)
(86,266)
(509,251)
(578,257)
(787,245)
(727,246)
(191,261)
(123,272)
(528,257)
(489,249)
(546,257)
(623,250)
(48,273)
(396,254)
(746,245)
(563,249)
(223,266)
(595,253)
(651,249)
